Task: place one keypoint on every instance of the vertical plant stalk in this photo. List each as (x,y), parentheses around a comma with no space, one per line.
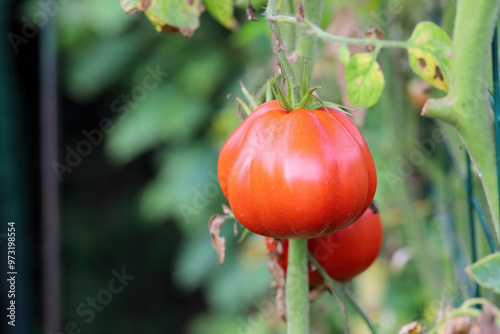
(297,288)
(496,93)
(287,69)
(306,43)
(466,107)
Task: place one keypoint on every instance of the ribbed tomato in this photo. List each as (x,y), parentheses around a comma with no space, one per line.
(343,254)
(299,174)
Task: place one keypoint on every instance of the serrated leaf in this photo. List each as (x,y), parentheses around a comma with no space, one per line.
(344,54)
(168,15)
(365,80)
(430,54)
(486,272)
(222,11)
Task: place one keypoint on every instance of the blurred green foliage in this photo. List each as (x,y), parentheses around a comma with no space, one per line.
(118,213)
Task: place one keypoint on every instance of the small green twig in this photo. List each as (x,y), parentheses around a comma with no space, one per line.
(313,29)
(350,297)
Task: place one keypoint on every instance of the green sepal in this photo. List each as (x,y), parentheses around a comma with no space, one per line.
(249,97)
(307,97)
(243,235)
(245,107)
(327,104)
(278,94)
(305,80)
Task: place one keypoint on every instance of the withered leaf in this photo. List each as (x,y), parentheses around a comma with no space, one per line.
(300,11)
(219,243)
(316,291)
(227,210)
(251,12)
(278,275)
(457,325)
(411,328)
(485,323)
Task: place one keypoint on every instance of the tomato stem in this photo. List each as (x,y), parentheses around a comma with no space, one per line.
(466,107)
(297,288)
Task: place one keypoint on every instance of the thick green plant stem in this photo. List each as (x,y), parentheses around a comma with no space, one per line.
(297,288)
(306,43)
(466,107)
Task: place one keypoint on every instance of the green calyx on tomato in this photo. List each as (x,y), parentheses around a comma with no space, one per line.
(298,174)
(344,254)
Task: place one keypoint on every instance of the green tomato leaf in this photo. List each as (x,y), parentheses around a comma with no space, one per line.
(168,15)
(222,11)
(344,54)
(429,54)
(365,80)
(486,272)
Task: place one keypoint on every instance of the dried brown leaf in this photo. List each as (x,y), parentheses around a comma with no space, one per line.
(227,210)
(277,43)
(485,323)
(219,243)
(412,328)
(251,12)
(300,11)
(235,228)
(278,275)
(457,325)
(316,291)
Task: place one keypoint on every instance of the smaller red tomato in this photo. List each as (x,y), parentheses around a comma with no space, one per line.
(343,254)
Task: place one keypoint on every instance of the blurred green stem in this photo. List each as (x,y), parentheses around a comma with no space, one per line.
(288,72)
(297,288)
(466,107)
(306,43)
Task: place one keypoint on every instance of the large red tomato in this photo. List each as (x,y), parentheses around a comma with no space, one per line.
(299,174)
(343,254)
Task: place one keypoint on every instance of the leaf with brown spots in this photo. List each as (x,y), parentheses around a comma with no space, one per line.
(219,243)
(429,54)
(168,15)
(374,33)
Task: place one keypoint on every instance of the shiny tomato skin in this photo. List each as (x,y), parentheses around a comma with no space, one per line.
(299,174)
(343,254)
(348,252)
